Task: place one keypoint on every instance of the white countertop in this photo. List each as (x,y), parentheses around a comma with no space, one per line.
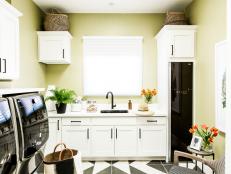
(98,114)
(84,113)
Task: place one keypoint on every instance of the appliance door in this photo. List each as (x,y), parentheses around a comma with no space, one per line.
(33,120)
(8,157)
(181,104)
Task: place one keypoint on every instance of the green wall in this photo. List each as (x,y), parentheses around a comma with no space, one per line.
(32,73)
(146,25)
(210,16)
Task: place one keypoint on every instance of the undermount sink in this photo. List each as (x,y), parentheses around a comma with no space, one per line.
(114,111)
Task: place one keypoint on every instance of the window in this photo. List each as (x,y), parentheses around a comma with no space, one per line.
(112,64)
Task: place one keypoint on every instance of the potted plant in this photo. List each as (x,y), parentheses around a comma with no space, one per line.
(206,134)
(62,97)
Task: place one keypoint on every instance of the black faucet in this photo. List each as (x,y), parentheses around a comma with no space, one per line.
(112,99)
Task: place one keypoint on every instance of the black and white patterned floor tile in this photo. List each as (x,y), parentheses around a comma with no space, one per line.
(133,167)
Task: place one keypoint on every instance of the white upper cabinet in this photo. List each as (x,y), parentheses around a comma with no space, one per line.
(9,42)
(54,47)
(178,41)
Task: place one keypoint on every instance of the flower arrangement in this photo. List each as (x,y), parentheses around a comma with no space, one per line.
(148,94)
(206,134)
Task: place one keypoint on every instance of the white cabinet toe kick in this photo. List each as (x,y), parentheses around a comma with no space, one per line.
(128,138)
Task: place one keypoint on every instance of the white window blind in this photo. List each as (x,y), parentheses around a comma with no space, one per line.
(112,64)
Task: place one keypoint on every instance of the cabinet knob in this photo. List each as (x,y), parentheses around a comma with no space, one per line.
(58,125)
(63,53)
(152,121)
(116,133)
(172,50)
(75,121)
(88,133)
(140,133)
(111,133)
(4,65)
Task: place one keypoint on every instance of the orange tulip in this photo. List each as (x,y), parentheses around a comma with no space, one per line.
(215,134)
(213,129)
(210,139)
(191,131)
(204,126)
(195,127)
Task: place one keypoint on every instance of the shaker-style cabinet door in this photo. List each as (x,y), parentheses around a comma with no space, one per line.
(182,44)
(77,137)
(152,140)
(54,47)
(54,135)
(125,141)
(102,141)
(9,42)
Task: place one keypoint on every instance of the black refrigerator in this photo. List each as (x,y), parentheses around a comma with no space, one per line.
(181,105)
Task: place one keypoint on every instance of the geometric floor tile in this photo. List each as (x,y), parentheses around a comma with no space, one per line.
(123,166)
(135,167)
(87,165)
(142,166)
(100,166)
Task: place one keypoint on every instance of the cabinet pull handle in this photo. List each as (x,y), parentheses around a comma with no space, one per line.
(0,64)
(4,65)
(172,50)
(58,125)
(116,133)
(152,121)
(111,133)
(75,121)
(63,53)
(87,133)
(140,133)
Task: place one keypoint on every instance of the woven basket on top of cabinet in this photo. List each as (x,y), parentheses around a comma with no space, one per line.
(55,21)
(175,18)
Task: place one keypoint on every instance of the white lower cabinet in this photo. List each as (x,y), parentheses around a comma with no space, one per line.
(54,134)
(77,137)
(152,140)
(147,137)
(125,141)
(102,141)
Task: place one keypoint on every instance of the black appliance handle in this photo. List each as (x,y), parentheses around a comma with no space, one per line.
(63,53)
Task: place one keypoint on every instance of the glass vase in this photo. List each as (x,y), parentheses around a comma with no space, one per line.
(207,147)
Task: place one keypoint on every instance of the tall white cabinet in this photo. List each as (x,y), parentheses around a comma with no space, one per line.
(9,41)
(175,43)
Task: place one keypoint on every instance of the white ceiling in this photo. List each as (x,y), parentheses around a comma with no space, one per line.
(114,6)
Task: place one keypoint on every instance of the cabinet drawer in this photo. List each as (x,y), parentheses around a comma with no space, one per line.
(151,120)
(113,121)
(76,121)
